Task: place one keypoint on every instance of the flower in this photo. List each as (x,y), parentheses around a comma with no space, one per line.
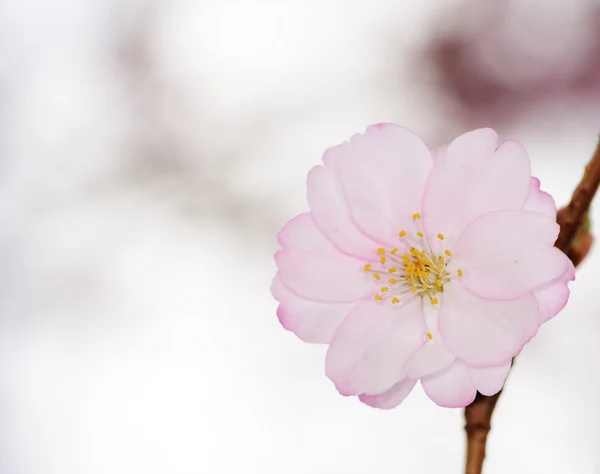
(423,265)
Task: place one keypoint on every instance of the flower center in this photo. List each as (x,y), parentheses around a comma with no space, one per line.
(420,270)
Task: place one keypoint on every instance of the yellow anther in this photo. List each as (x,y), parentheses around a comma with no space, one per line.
(394,251)
(381,251)
(447,252)
(441,259)
(378,297)
(459,272)
(376,276)
(392,270)
(425,286)
(416,216)
(384,288)
(413,288)
(367,267)
(420,234)
(395,300)
(382,259)
(438,283)
(434,301)
(429,336)
(393,281)
(402,233)
(440,236)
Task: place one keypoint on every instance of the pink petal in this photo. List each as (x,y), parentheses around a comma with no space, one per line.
(324,275)
(506,254)
(390,398)
(569,274)
(330,212)
(302,233)
(485,332)
(451,387)
(432,357)
(539,201)
(552,298)
(311,321)
(383,173)
(439,152)
(489,380)
(369,351)
(471,179)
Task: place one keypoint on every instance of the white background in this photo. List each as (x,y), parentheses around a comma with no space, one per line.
(149,152)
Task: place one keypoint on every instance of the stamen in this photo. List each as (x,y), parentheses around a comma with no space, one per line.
(429,336)
(421,270)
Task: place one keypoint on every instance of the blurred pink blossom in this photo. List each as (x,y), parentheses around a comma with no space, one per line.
(500,61)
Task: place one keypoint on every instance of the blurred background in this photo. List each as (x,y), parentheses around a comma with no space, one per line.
(150,151)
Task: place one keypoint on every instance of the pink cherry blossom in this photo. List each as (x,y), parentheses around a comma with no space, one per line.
(423,265)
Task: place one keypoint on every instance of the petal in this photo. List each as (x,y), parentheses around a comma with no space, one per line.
(471,179)
(330,212)
(439,152)
(489,380)
(569,274)
(486,332)
(369,351)
(539,201)
(324,275)
(451,387)
(552,298)
(383,173)
(507,254)
(302,233)
(390,398)
(311,321)
(432,357)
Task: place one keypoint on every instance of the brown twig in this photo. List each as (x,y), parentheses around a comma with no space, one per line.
(575,241)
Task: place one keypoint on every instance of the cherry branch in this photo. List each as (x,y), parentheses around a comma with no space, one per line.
(575,240)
